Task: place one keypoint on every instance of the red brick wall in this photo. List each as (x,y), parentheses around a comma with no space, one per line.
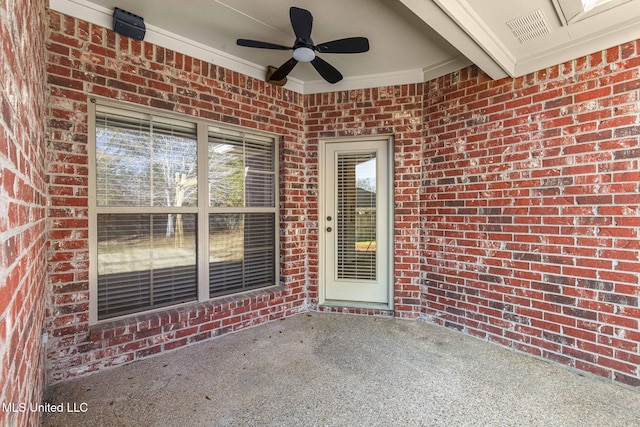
(22,212)
(532,210)
(395,111)
(84,60)
(517,205)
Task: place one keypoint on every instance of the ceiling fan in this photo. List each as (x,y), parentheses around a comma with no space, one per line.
(305,51)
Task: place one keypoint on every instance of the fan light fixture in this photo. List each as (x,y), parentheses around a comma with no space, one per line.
(305,51)
(304,54)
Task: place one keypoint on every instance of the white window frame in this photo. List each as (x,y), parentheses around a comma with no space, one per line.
(202,210)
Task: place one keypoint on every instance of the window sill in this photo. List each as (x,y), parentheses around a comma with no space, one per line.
(208,316)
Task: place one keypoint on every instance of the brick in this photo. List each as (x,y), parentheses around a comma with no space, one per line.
(627,131)
(593,94)
(627,379)
(22,235)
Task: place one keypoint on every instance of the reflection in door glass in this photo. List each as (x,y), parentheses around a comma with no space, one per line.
(356,216)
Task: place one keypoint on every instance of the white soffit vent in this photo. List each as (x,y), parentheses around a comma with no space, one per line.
(530,27)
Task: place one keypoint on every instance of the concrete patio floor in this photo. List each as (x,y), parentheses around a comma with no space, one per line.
(343,370)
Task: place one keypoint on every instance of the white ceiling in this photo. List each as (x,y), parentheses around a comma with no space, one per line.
(411,40)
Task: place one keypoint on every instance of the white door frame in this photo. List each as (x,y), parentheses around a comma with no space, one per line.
(323,224)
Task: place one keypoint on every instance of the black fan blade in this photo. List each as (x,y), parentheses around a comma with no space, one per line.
(261,45)
(348,45)
(284,70)
(326,70)
(301,21)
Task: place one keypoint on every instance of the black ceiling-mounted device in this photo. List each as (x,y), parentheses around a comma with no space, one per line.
(128,24)
(304,50)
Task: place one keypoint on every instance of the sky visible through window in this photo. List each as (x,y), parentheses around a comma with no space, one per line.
(366,175)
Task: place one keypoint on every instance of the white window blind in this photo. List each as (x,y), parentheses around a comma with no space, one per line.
(356,218)
(242,221)
(141,266)
(242,255)
(145,261)
(145,161)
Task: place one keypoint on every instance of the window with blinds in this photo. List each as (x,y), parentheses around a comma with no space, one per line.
(356,216)
(142,266)
(144,161)
(242,198)
(148,218)
(241,255)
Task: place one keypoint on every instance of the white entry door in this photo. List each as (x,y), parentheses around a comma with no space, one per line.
(356,234)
